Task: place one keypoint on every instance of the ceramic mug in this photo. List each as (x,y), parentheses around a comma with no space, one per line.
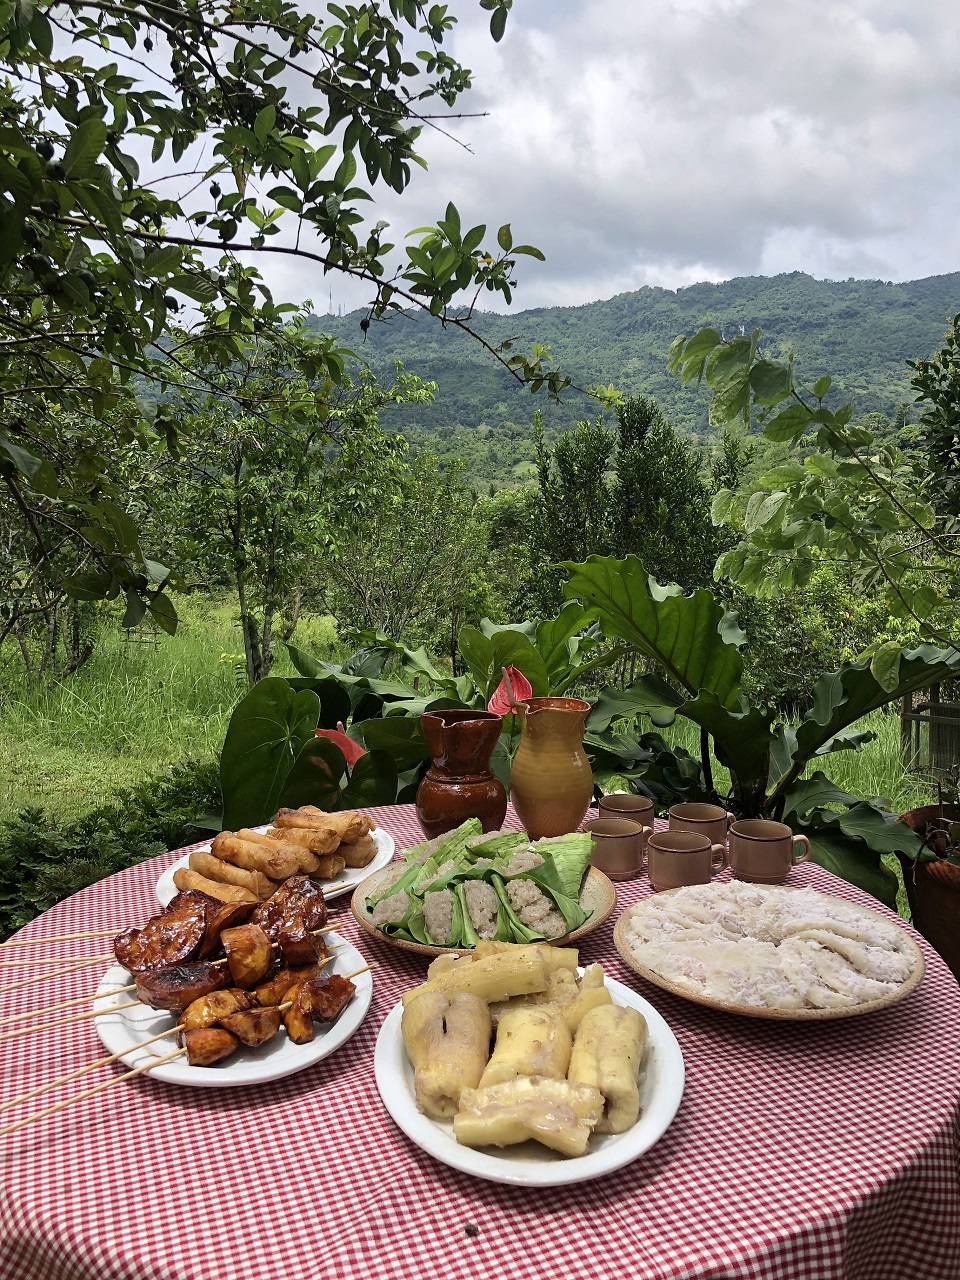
(707,820)
(624,804)
(618,845)
(676,858)
(763,852)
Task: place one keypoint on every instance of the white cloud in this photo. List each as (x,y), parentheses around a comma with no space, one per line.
(677,140)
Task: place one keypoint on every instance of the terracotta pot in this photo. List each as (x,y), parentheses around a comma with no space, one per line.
(460,783)
(933,889)
(551,782)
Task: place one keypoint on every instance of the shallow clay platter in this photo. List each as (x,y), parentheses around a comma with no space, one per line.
(597,895)
(760,1011)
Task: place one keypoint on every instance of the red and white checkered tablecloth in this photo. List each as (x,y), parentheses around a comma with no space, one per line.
(801,1151)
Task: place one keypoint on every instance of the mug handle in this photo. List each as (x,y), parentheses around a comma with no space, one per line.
(645,834)
(718,858)
(805,857)
(731,819)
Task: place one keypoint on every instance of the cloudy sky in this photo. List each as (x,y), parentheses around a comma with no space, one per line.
(670,141)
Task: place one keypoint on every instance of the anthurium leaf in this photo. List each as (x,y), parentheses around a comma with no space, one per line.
(266,734)
(841,697)
(853,861)
(305,662)
(316,777)
(373,781)
(487,655)
(400,737)
(334,699)
(682,633)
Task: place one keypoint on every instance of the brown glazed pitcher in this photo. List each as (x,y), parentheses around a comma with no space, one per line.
(551,782)
(460,783)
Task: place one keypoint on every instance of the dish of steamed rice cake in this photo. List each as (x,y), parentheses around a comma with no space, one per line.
(467,886)
(769,951)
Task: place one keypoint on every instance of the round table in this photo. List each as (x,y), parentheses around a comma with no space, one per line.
(801,1151)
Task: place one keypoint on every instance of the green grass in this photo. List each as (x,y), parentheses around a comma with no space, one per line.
(132,710)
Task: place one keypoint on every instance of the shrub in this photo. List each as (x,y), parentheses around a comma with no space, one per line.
(41,863)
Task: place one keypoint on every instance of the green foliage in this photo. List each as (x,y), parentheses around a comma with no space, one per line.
(851,497)
(696,645)
(406,554)
(101,248)
(937,384)
(43,861)
(860,331)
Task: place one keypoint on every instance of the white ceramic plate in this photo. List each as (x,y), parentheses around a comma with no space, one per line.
(120,1031)
(345,882)
(530,1164)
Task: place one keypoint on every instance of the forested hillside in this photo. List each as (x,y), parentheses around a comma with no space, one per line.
(860,331)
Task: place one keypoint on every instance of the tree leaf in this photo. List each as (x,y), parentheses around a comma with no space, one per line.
(85,145)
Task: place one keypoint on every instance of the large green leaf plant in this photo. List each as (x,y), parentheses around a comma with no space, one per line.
(271,755)
(693,645)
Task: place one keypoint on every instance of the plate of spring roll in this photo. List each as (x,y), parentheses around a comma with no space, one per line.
(467,886)
(516,1065)
(337,850)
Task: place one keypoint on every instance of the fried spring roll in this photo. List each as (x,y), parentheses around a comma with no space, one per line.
(318,842)
(328,866)
(254,857)
(360,852)
(186,879)
(306,861)
(349,825)
(205,864)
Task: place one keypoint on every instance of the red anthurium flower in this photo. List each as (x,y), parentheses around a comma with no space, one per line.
(522,689)
(352,751)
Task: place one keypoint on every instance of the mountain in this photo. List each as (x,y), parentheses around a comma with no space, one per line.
(859,331)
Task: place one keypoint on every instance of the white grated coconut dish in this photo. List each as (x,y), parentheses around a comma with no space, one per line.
(772,948)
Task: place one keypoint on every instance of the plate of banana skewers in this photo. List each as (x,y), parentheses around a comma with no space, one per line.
(516,1065)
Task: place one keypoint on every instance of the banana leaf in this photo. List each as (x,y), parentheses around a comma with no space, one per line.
(456,924)
(411,925)
(569,857)
(453,845)
(518,930)
(508,843)
(456,880)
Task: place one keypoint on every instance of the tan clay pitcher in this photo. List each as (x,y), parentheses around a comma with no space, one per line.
(551,782)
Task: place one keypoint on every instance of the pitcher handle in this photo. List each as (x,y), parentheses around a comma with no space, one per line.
(805,857)
(718,858)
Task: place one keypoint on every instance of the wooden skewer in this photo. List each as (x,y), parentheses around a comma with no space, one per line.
(52,1084)
(42,977)
(67,1004)
(112,933)
(65,1022)
(99,1013)
(87,1093)
(61,937)
(26,964)
(100,1062)
(23,964)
